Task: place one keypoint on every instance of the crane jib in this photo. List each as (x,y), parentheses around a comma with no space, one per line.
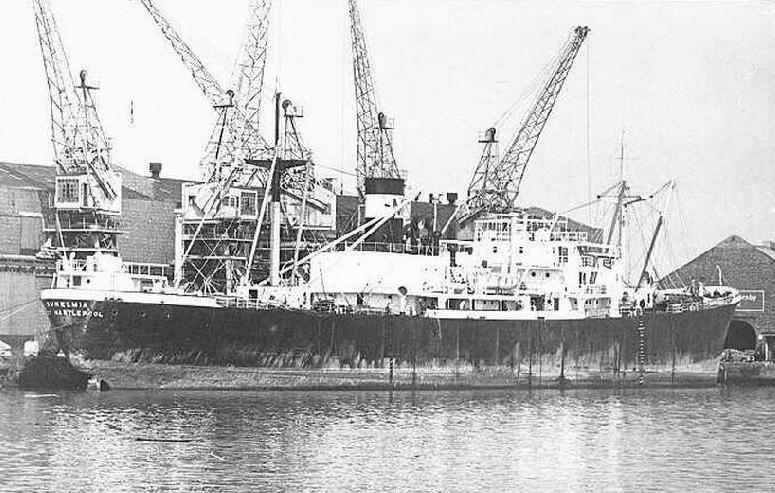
(495,183)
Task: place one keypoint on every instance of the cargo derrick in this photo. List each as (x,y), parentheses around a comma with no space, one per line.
(220,216)
(495,184)
(87,194)
(379,181)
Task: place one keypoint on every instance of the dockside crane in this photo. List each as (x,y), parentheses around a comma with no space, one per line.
(217,242)
(87,194)
(495,184)
(375,157)
(379,181)
(235,134)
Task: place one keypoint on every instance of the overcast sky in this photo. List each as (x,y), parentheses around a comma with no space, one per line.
(692,84)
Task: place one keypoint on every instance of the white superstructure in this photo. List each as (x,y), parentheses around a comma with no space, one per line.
(518,265)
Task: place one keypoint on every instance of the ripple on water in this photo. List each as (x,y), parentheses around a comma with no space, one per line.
(428,441)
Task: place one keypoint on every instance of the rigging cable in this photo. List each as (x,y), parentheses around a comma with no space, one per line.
(528,94)
(588,152)
(343,35)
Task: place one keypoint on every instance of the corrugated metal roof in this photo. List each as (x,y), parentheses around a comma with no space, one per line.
(165,189)
(27,175)
(19,175)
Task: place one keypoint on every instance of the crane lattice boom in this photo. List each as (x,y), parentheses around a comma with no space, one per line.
(495,184)
(240,138)
(78,139)
(61,86)
(375,157)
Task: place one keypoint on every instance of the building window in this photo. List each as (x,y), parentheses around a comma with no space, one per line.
(30,232)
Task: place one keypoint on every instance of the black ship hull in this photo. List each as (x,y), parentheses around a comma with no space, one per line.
(138,332)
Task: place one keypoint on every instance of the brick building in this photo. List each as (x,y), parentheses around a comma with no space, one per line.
(747,267)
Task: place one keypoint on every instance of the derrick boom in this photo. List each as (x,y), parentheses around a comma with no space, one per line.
(495,184)
(375,157)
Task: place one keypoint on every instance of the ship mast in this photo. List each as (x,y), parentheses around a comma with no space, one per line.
(283,160)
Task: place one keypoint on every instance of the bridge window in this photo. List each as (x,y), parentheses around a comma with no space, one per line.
(562,255)
(582,278)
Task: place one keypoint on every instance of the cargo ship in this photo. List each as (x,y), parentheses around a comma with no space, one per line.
(509,292)
(524,292)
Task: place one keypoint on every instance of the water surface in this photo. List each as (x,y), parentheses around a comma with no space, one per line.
(712,439)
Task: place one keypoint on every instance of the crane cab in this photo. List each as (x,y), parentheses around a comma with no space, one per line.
(83,192)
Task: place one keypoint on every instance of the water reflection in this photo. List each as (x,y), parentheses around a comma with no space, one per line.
(426,441)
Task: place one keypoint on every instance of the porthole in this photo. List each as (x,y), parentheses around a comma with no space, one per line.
(533,273)
(548,275)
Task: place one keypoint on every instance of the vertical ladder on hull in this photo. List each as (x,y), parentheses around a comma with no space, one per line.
(641,350)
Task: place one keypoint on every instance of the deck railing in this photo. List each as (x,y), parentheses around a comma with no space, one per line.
(411,249)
